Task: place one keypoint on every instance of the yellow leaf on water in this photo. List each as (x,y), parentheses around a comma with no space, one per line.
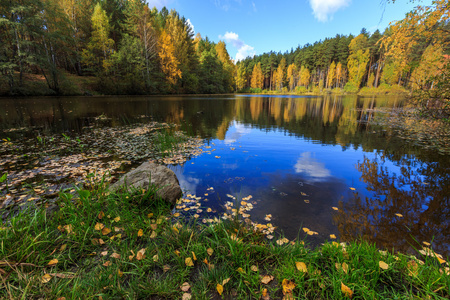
(140,254)
(301,266)
(101,215)
(185,287)
(426,243)
(210,251)
(46,278)
(399,215)
(208,209)
(305,229)
(383,265)
(240,270)
(99,226)
(346,290)
(53,262)
(225,281)
(106,231)
(140,232)
(335,208)
(254,268)
(219,289)
(353,189)
(266,279)
(188,261)
(332,236)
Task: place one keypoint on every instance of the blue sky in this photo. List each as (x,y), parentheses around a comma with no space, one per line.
(252,27)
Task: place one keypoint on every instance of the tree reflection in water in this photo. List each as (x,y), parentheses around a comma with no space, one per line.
(404,209)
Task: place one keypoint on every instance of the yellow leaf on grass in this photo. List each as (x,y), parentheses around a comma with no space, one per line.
(193,255)
(219,289)
(106,231)
(383,265)
(101,215)
(132,255)
(46,278)
(120,273)
(153,235)
(117,219)
(154,226)
(225,281)
(345,267)
(166,268)
(186,296)
(332,236)
(266,279)
(115,255)
(288,286)
(177,252)
(254,268)
(53,262)
(140,232)
(346,290)
(240,270)
(185,287)
(210,251)
(99,226)
(155,257)
(107,263)
(150,215)
(301,266)
(141,254)
(188,261)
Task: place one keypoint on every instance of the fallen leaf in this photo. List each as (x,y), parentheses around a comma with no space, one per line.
(345,267)
(46,278)
(185,287)
(99,226)
(101,242)
(150,215)
(412,267)
(399,215)
(188,261)
(141,254)
(107,263)
(346,290)
(132,255)
(186,296)
(335,208)
(120,273)
(115,255)
(153,235)
(305,229)
(104,253)
(53,262)
(166,268)
(63,247)
(101,215)
(117,219)
(210,251)
(240,270)
(383,265)
(301,266)
(176,215)
(264,295)
(140,232)
(353,189)
(225,281)
(154,226)
(155,257)
(254,268)
(106,231)
(332,236)
(219,289)
(426,243)
(193,255)
(266,279)
(288,286)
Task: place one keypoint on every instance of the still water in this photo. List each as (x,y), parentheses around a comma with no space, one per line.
(310,162)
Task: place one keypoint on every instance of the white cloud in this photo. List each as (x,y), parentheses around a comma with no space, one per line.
(312,168)
(323,10)
(254,6)
(190,24)
(244,50)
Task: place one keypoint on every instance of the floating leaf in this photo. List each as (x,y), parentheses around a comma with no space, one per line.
(335,208)
(140,254)
(176,215)
(383,265)
(266,279)
(353,189)
(426,243)
(210,251)
(332,236)
(53,262)
(46,278)
(301,266)
(188,261)
(399,215)
(140,232)
(219,289)
(346,290)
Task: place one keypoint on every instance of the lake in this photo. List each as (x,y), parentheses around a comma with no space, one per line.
(317,165)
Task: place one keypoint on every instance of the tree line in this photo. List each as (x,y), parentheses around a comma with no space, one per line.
(127,46)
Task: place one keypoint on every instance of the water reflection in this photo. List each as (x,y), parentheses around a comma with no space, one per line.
(283,151)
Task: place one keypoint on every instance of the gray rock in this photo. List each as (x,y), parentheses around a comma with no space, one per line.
(162,177)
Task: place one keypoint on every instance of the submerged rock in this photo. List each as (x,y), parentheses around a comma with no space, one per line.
(168,187)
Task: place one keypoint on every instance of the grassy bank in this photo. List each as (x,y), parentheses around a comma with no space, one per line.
(100,245)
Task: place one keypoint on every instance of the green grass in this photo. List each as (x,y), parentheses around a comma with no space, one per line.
(93,263)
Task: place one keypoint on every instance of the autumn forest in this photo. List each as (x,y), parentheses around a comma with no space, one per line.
(126,47)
